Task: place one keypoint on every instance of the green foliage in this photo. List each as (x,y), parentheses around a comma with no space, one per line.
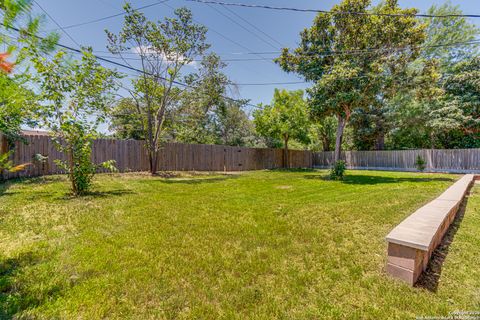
(343,83)
(435,108)
(462,87)
(125,121)
(322,134)
(76,142)
(204,114)
(75,96)
(425,114)
(420,163)
(164,48)
(18,103)
(17,106)
(285,119)
(449,30)
(338,169)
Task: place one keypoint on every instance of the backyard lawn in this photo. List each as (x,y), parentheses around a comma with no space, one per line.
(259,245)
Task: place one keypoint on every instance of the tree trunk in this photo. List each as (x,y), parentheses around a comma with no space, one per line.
(338,140)
(326,143)
(71,166)
(285,152)
(380,143)
(153,161)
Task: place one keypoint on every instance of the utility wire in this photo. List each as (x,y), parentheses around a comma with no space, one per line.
(259,6)
(194,60)
(57,24)
(127,66)
(189,86)
(242,26)
(113,15)
(254,26)
(225,37)
(347,52)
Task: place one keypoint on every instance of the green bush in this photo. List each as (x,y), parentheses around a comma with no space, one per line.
(338,170)
(76,142)
(420,163)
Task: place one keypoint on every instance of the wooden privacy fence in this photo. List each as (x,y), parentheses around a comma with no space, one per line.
(131,156)
(454,160)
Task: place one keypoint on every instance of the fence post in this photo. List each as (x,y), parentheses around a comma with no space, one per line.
(429,160)
(3,143)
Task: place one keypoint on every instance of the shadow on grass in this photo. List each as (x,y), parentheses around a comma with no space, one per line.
(13,299)
(293,170)
(4,185)
(197,180)
(371,180)
(430,278)
(96,194)
(108,193)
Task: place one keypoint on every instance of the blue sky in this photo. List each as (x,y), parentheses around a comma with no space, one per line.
(230,40)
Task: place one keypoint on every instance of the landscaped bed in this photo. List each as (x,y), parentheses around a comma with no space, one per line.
(260,245)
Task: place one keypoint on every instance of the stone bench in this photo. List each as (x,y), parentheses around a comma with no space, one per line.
(412,242)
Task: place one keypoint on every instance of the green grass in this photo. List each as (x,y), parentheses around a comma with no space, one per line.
(262,245)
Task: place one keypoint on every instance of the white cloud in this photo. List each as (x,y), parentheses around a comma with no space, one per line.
(168,59)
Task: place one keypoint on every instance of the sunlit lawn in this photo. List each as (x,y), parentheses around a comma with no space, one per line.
(261,245)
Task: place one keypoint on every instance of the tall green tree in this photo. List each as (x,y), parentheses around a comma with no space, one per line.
(368,45)
(164,48)
(125,122)
(462,87)
(286,118)
(322,134)
(449,30)
(233,126)
(203,114)
(202,104)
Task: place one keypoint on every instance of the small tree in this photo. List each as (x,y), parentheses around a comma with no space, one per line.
(164,49)
(286,118)
(75,96)
(420,163)
(338,170)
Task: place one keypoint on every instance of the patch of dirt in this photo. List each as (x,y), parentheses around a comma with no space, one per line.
(284,187)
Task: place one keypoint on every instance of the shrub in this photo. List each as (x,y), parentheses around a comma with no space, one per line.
(338,170)
(420,163)
(77,144)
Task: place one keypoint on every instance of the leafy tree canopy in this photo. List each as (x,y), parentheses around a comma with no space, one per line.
(284,119)
(348,56)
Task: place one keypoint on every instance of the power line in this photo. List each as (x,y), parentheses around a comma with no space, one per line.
(259,6)
(225,37)
(194,60)
(243,27)
(57,24)
(345,52)
(272,83)
(113,15)
(253,26)
(186,85)
(127,66)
